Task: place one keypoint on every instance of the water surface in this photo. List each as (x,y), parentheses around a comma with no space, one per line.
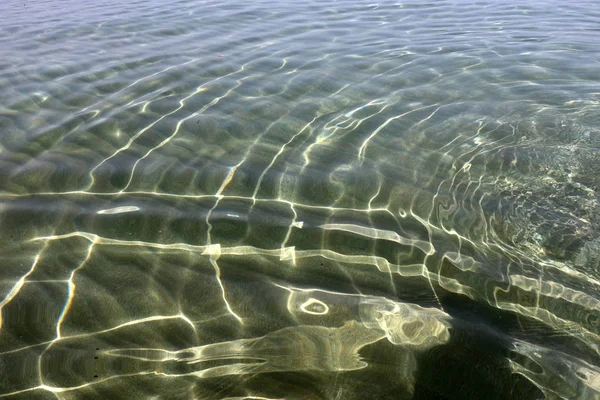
(300,200)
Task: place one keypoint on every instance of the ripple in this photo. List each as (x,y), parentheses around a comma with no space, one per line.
(269,200)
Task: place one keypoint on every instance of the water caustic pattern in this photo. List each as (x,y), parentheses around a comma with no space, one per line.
(299,200)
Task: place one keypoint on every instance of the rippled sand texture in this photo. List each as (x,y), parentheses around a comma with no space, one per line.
(300,200)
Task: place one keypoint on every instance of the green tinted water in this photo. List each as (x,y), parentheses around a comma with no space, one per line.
(302,200)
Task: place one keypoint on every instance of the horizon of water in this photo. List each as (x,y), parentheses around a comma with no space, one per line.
(300,200)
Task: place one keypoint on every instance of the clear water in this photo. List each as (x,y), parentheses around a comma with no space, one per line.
(300,200)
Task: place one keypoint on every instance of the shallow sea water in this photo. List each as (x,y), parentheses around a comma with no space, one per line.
(299,200)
